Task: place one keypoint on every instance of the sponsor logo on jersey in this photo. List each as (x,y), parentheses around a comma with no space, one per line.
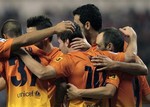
(28,94)
(2,40)
(58,59)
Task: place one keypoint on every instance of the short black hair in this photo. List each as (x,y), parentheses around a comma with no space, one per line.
(91,13)
(114,36)
(40,22)
(12,28)
(69,35)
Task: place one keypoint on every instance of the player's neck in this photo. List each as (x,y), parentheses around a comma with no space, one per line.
(92,37)
(72,50)
(47,48)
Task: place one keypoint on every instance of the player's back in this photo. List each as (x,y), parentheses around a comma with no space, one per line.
(79,70)
(81,76)
(24,89)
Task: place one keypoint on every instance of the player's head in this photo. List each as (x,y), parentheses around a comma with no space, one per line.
(11,29)
(66,38)
(110,39)
(38,23)
(88,17)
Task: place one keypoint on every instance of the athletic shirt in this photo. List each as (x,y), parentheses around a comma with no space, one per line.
(24,89)
(108,77)
(78,69)
(54,53)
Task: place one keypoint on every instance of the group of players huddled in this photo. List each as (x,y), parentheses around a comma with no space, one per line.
(93,66)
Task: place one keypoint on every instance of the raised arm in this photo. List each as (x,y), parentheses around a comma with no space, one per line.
(105,63)
(131,39)
(31,38)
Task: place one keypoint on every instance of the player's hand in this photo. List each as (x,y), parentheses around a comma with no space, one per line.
(72,92)
(80,44)
(128,32)
(103,63)
(64,26)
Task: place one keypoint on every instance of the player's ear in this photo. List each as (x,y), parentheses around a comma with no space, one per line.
(110,47)
(67,42)
(87,25)
(5,36)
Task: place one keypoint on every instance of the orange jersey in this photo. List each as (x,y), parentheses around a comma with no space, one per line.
(106,77)
(78,69)
(127,94)
(54,53)
(130,91)
(24,89)
(143,88)
(120,56)
(5,48)
(113,76)
(124,96)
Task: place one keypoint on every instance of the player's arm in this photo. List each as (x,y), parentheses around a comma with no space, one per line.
(107,91)
(105,63)
(131,38)
(41,71)
(61,90)
(33,37)
(2,83)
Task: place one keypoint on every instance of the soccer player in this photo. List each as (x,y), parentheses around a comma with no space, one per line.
(121,99)
(23,88)
(89,18)
(74,65)
(140,87)
(46,49)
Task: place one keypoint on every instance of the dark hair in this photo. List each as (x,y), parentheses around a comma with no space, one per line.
(12,28)
(69,35)
(40,22)
(91,13)
(114,36)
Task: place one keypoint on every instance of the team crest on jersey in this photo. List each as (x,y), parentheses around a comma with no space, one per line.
(58,59)
(2,40)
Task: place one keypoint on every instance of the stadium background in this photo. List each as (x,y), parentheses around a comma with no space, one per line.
(117,13)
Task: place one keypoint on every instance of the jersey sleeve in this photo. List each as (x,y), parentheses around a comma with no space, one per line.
(113,78)
(145,86)
(114,56)
(61,66)
(5,48)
